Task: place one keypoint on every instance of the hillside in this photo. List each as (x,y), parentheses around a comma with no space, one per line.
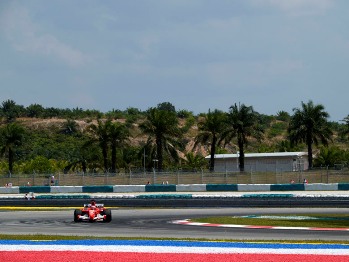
(275,134)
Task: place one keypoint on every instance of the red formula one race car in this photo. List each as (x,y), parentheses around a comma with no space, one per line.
(92,212)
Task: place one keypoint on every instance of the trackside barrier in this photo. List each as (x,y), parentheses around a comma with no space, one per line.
(223,187)
(66,189)
(34,189)
(65,196)
(286,187)
(97,189)
(191,188)
(343,186)
(322,187)
(9,190)
(128,189)
(160,188)
(253,188)
(175,188)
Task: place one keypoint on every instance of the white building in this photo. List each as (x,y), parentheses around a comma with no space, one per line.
(262,162)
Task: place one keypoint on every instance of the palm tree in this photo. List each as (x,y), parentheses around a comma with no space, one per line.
(309,125)
(118,135)
(194,161)
(100,133)
(210,129)
(329,156)
(70,127)
(243,123)
(11,137)
(10,110)
(163,131)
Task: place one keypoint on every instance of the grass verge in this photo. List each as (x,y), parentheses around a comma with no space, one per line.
(38,237)
(294,220)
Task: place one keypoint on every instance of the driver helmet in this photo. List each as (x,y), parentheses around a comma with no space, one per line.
(93,202)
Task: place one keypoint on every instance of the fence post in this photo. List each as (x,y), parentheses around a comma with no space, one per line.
(130,177)
(153,175)
(327,173)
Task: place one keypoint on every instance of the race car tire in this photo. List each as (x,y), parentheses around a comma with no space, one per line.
(107,213)
(77,213)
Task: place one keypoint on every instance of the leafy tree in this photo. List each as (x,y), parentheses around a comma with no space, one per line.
(211,127)
(277,129)
(39,165)
(346,128)
(115,114)
(11,137)
(163,131)
(243,123)
(286,146)
(309,125)
(184,113)
(51,112)
(166,106)
(35,110)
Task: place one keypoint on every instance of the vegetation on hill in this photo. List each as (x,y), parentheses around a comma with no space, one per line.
(35,139)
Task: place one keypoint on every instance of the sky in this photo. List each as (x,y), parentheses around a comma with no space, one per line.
(196,54)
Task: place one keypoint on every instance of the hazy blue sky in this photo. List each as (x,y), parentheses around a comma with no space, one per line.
(196,54)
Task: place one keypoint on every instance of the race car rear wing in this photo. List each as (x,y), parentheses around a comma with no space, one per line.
(97,205)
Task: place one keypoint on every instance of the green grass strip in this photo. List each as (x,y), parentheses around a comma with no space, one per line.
(307,220)
(40,237)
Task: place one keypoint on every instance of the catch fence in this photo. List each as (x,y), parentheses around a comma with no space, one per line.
(175,177)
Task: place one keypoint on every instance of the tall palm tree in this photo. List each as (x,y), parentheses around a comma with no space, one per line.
(163,131)
(118,135)
(243,124)
(309,125)
(11,137)
(100,133)
(210,130)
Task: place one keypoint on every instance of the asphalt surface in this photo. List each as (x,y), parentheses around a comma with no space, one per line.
(156,223)
(151,217)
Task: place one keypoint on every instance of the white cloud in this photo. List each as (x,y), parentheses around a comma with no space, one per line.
(25,36)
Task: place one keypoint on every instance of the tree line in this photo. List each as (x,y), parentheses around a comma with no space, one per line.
(105,145)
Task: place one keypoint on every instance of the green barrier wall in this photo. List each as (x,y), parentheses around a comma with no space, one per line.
(97,189)
(222,187)
(35,189)
(160,188)
(287,187)
(343,186)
